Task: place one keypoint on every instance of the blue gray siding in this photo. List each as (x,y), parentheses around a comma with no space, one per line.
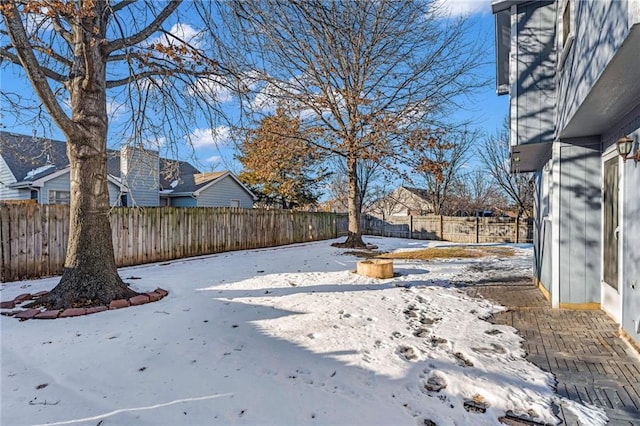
(533,98)
(60,183)
(580,221)
(114,194)
(140,170)
(183,202)
(222,192)
(631,235)
(631,250)
(542,233)
(6,178)
(600,29)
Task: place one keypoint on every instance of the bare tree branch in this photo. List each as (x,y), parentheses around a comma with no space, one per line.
(27,59)
(144,33)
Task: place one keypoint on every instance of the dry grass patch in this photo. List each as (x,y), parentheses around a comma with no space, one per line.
(450,253)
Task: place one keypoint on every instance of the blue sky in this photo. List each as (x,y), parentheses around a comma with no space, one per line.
(213,149)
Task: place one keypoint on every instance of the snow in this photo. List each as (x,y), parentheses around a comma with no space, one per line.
(35,172)
(287,336)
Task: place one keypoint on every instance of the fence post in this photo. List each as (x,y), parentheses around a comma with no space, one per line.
(517,229)
(477,229)
(441,228)
(411,226)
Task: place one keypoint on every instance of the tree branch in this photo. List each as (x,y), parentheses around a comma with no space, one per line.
(146,32)
(36,73)
(118,6)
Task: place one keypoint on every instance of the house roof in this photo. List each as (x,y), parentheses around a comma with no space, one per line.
(198,182)
(422,193)
(31,158)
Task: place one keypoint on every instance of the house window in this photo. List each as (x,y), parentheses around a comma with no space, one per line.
(566,30)
(59,197)
(235,203)
(566,24)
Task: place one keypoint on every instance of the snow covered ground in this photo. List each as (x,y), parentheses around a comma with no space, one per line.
(284,336)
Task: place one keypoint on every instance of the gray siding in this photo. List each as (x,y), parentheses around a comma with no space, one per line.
(631,244)
(114,194)
(6,177)
(140,170)
(183,202)
(221,193)
(535,62)
(600,28)
(60,183)
(541,235)
(580,221)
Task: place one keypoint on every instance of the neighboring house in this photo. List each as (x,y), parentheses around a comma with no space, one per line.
(403,201)
(38,169)
(572,70)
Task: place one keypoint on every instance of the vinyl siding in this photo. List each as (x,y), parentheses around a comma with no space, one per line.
(114,194)
(222,192)
(183,202)
(542,233)
(600,29)
(630,232)
(580,222)
(7,178)
(140,170)
(60,183)
(533,100)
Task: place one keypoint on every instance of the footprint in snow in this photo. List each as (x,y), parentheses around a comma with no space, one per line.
(408,353)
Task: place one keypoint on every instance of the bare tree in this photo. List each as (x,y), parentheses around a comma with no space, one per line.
(362,74)
(436,159)
(477,192)
(73,53)
(518,187)
(371,181)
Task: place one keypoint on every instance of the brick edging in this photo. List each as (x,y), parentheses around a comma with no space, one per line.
(9,307)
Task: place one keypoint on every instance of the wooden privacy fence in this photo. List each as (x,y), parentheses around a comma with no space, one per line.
(454,229)
(33,237)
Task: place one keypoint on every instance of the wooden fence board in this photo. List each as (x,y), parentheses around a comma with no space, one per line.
(34,237)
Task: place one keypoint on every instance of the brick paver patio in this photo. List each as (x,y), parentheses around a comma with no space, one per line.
(581,348)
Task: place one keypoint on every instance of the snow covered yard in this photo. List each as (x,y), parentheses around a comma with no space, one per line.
(285,336)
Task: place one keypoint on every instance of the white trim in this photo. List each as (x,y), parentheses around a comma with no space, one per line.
(555,226)
(564,46)
(634,12)
(610,298)
(39,183)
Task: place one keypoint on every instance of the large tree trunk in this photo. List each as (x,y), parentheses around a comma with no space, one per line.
(354,235)
(90,276)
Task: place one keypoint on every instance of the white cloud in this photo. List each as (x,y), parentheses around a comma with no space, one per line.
(211,88)
(203,138)
(213,159)
(184,32)
(464,7)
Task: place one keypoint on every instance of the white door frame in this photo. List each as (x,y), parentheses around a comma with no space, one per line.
(611,299)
